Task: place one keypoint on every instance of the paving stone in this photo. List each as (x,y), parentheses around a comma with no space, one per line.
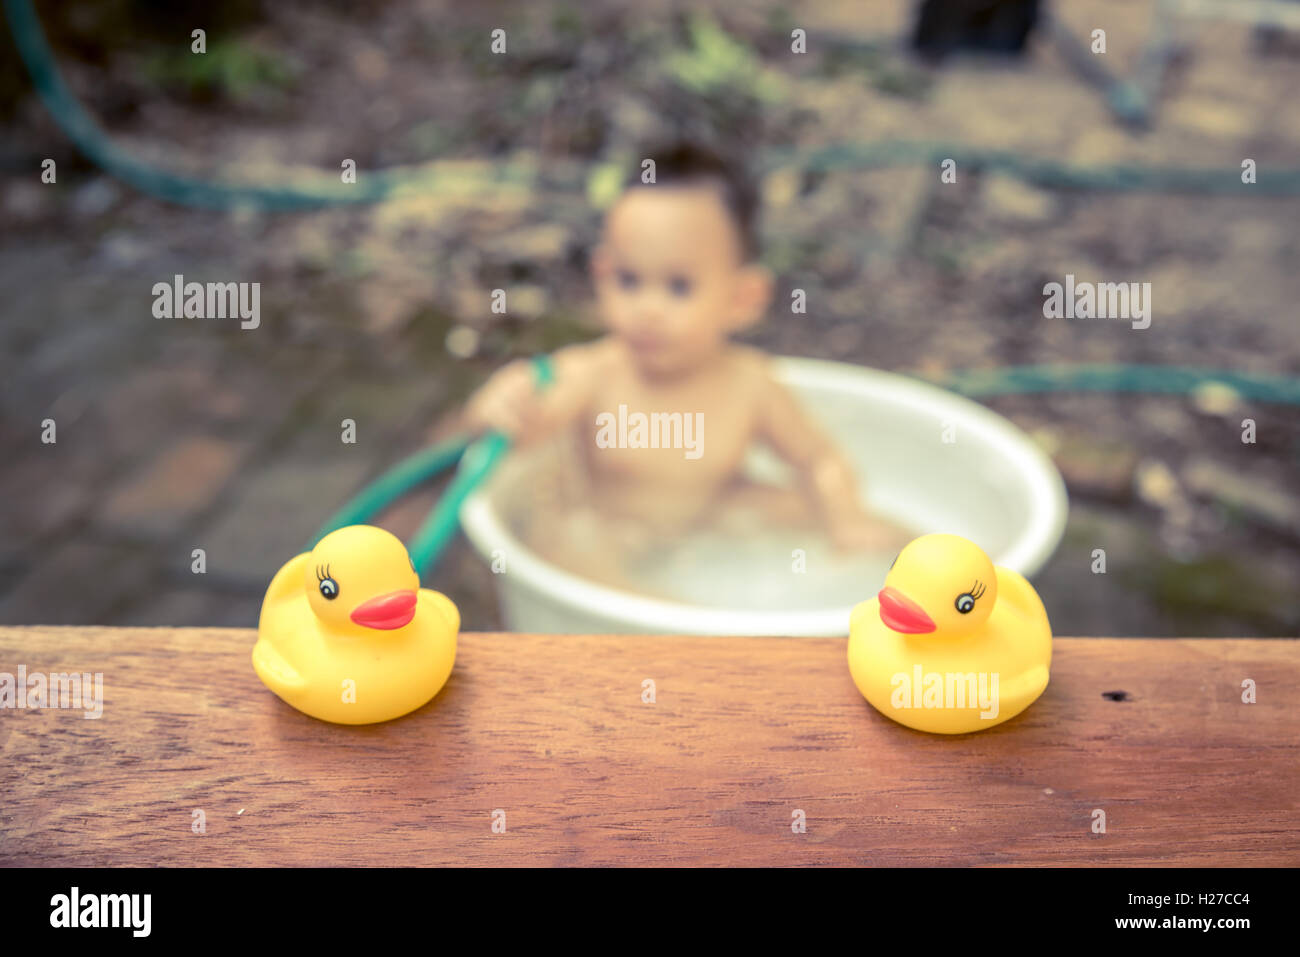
(193,607)
(1096,467)
(1157,485)
(407,515)
(78,584)
(95,197)
(1221,586)
(274,511)
(26,201)
(385,411)
(464,577)
(899,198)
(538,243)
(1088,603)
(1256,497)
(145,412)
(279,504)
(1216,119)
(1010,199)
(51,497)
(177,485)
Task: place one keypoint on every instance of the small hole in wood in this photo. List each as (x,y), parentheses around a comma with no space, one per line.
(1115,695)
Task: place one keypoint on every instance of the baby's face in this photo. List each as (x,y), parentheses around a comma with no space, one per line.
(670,276)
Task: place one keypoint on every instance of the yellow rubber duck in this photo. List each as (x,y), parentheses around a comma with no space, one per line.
(347,635)
(951,643)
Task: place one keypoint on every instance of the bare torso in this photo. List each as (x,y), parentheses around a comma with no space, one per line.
(706,419)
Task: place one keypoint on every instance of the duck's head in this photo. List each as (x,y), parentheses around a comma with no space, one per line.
(940,584)
(361,577)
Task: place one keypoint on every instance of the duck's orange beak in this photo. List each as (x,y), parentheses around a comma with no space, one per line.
(387,611)
(901,614)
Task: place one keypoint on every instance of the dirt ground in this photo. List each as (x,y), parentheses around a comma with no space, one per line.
(181,435)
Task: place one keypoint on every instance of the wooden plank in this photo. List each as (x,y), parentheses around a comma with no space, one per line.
(743,732)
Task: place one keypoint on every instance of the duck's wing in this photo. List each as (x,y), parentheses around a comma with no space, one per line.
(274,670)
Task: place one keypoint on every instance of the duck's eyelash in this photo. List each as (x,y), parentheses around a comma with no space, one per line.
(977,590)
(321,576)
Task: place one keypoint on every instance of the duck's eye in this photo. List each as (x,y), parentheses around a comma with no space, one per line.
(965,603)
(329,588)
(412,561)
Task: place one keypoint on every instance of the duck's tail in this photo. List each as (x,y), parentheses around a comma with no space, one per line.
(1016,591)
(288,581)
(1020,595)
(1025,687)
(445,607)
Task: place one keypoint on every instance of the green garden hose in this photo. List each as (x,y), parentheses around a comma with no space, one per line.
(1161,380)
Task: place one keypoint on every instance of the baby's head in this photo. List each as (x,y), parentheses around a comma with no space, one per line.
(676,271)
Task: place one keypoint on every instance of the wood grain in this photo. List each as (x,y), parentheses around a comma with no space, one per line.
(744,731)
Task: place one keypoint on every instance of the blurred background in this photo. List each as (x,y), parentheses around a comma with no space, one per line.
(181,435)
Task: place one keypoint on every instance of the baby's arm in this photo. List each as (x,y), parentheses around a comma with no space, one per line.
(825,473)
(511,402)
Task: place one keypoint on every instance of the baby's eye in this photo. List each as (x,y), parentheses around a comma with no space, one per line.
(628,279)
(679,286)
(329,588)
(965,603)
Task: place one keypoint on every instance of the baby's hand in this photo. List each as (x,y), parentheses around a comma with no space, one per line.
(508,402)
(512,402)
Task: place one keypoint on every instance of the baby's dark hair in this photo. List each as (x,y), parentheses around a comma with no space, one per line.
(688,164)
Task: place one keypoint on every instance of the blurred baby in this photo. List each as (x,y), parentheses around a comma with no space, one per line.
(658,414)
